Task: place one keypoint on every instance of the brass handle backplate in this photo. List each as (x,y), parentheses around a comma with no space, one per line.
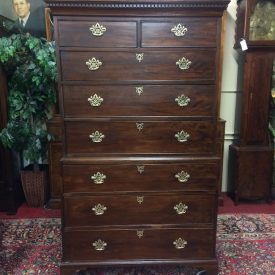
(180,243)
(99,245)
(179,30)
(182,136)
(93,64)
(99,209)
(96,137)
(182,176)
(95,100)
(181,208)
(182,100)
(184,63)
(98,178)
(98,30)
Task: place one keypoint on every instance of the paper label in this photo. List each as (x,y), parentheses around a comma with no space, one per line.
(243,45)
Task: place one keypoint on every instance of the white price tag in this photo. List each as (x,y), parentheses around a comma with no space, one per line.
(243,45)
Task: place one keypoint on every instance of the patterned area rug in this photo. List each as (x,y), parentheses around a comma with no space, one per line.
(245,246)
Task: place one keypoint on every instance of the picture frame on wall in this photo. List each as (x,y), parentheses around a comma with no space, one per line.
(26,16)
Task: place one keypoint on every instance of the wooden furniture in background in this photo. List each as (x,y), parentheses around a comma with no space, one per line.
(54,126)
(251,157)
(11,194)
(142,154)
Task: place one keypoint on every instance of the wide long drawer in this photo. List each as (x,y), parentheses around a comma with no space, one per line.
(141,64)
(140,177)
(104,136)
(139,100)
(139,208)
(165,243)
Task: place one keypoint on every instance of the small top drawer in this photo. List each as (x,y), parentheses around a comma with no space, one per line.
(97,34)
(184,32)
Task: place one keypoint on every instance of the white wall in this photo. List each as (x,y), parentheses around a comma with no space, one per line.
(230,97)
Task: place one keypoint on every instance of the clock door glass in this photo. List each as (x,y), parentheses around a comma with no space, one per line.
(262,21)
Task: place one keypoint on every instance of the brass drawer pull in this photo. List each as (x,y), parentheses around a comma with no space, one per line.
(139,57)
(99,209)
(140,199)
(182,176)
(98,178)
(140,169)
(96,137)
(140,126)
(184,63)
(180,243)
(181,208)
(95,100)
(139,90)
(93,64)
(99,245)
(98,30)
(179,30)
(182,136)
(182,100)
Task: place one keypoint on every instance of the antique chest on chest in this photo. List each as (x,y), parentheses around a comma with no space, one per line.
(139,94)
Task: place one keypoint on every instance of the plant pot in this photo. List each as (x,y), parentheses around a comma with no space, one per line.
(34,185)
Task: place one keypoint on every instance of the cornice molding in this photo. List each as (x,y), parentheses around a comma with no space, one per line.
(137,5)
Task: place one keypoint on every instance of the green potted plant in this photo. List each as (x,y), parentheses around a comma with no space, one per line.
(30,66)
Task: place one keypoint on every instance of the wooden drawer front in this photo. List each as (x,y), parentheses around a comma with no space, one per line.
(137,244)
(156,65)
(78,34)
(139,100)
(137,177)
(142,208)
(128,137)
(182,32)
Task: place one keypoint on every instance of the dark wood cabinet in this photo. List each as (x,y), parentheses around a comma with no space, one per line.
(54,126)
(252,156)
(139,94)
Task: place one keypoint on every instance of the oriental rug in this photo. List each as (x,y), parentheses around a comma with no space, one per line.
(245,246)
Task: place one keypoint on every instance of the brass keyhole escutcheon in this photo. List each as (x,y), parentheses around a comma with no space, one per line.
(140,126)
(140,199)
(140,169)
(139,57)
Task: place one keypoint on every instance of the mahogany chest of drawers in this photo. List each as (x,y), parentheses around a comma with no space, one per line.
(139,92)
